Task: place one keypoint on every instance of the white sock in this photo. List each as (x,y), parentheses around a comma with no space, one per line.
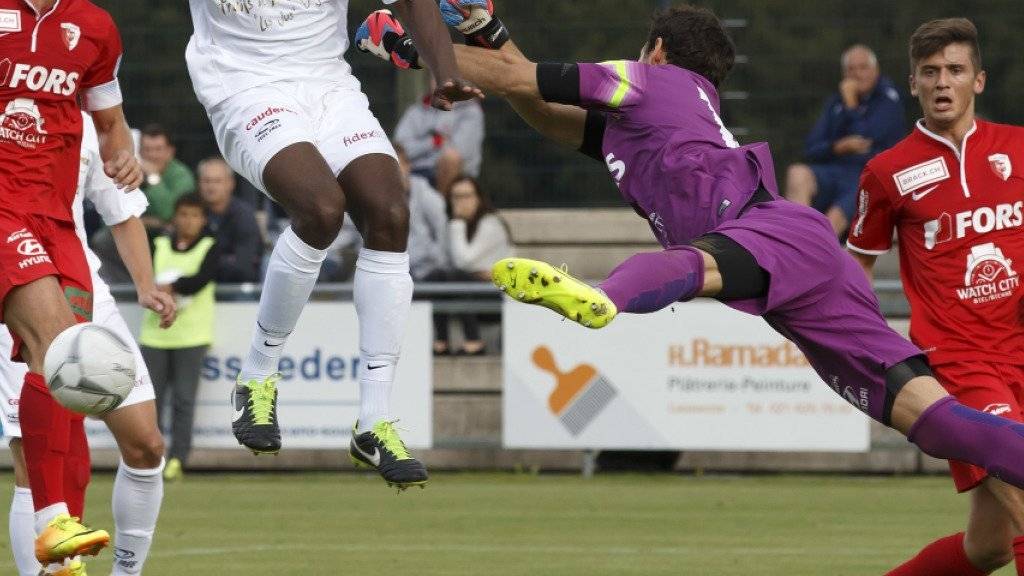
(44,516)
(383,296)
(21,523)
(136,505)
(291,275)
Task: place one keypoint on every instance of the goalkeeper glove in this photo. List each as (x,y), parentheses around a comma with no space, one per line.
(476,20)
(383,36)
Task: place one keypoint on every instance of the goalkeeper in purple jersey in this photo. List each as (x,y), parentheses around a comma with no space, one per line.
(714,207)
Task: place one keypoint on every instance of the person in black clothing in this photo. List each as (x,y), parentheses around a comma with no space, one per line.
(232,222)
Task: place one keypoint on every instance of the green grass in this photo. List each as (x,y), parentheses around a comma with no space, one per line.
(511,525)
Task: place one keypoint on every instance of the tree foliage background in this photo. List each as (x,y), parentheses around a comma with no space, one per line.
(790,63)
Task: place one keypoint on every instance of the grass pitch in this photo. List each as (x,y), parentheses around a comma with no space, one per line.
(512,525)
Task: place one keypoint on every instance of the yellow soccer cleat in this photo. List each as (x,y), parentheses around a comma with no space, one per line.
(172,470)
(65,537)
(536,282)
(73,567)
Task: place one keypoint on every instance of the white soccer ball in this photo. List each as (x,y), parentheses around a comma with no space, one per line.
(89,369)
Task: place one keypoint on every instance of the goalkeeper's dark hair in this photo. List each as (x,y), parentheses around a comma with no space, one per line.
(932,37)
(694,39)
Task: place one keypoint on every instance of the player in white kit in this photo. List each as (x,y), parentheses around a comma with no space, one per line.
(138,487)
(290,117)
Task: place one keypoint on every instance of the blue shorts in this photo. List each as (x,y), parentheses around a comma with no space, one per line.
(837,186)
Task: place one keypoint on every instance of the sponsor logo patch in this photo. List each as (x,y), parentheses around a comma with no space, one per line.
(997,409)
(10,21)
(921,175)
(1000,164)
(989,276)
(360,136)
(72,34)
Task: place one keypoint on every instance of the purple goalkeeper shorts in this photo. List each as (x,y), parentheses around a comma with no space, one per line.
(820,298)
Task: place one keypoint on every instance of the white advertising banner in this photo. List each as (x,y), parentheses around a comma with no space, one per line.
(318,396)
(703,377)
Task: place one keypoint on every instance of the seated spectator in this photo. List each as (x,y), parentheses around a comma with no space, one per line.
(184,263)
(231,221)
(477,238)
(442,145)
(167,178)
(862,119)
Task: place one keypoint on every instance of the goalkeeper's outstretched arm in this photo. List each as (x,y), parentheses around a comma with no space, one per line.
(511,75)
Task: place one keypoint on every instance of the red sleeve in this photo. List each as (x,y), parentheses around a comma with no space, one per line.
(104,69)
(872,229)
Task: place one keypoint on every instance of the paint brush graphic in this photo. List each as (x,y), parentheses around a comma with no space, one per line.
(580,394)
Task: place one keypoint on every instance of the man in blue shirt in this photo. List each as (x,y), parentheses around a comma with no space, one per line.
(862,119)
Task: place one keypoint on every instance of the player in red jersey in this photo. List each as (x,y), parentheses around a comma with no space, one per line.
(954,192)
(54,53)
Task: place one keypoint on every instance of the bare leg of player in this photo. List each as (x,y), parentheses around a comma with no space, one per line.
(138,486)
(383,297)
(38,312)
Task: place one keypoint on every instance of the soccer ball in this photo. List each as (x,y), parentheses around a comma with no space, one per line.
(89,369)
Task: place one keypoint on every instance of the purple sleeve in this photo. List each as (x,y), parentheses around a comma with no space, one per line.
(616,85)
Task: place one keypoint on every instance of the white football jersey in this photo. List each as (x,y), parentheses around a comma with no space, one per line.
(114,206)
(239,44)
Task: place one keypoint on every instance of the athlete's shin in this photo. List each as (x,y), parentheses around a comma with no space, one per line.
(136,506)
(77,467)
(291,276)
(383,297)
(650,281)
(952,431)
(46,431)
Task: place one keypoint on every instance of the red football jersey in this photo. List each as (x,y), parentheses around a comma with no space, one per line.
(48,60)
(959,217)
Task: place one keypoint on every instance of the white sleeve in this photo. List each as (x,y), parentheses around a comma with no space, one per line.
(103,96)
(114,206)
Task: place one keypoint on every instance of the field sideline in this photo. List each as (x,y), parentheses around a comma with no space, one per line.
(522,525)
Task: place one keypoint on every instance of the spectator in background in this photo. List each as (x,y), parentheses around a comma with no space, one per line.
(477,238)
(167,178)
(184,263)
(862,119)
(442,145)
(232,223)
(428,223)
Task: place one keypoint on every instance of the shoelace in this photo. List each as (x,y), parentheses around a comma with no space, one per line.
(388,436)
(261,399)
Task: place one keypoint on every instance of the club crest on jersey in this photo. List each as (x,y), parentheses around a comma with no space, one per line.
(1000,164)
(10,21)
(22,123)
(72,34)
(918,176)
(989,276)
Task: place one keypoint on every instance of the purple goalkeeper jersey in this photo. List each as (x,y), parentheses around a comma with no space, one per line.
(665,144)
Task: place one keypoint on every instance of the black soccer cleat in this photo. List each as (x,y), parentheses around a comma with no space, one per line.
(255,418)
(382,449)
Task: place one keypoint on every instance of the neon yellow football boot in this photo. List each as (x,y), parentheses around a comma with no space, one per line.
(536,282)
(65,537)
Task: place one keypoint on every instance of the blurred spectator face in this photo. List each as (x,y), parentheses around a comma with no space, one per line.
(945,84)
(156,151)
(465,200)
(216,184)
(189,221)
(861,66)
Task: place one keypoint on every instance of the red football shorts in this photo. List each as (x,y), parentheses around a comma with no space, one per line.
(33,246)
(987,386)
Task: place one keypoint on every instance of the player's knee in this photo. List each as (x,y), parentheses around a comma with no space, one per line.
(800,182)
(388,226)
(988,555)
(145,452)
(319,227)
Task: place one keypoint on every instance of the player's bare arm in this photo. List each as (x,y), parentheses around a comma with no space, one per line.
(866,261)
(117,148)
(133,246)
(430,35)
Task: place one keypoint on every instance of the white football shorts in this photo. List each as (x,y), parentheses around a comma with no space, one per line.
(255,124)
(12,374)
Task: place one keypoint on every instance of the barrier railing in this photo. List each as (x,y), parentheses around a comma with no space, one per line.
(474,297)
